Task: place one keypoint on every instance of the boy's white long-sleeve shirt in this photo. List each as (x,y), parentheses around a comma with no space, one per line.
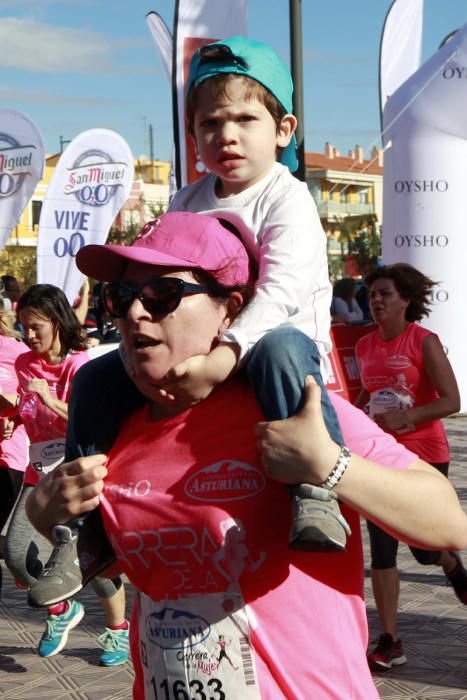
(279,225)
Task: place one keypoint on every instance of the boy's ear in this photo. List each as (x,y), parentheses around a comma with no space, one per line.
(285,130)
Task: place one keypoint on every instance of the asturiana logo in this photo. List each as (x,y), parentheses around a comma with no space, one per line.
(54,450)
(95,177)
(228,480)
(173,628)
(385,398)
(15,162)
(397,362)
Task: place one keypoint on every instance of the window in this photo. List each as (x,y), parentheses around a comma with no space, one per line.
(36,211)
(363,197)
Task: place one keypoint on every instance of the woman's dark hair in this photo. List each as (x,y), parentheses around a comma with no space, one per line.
(411,284)
(344,289)
(52,303)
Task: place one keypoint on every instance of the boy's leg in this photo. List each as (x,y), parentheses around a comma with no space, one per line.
(102,393)
(277,368)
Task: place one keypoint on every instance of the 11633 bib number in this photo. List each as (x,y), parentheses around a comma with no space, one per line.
(194,690)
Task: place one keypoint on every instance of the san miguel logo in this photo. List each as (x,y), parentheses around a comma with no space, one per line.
(95,177)
(228,480)
(15,164)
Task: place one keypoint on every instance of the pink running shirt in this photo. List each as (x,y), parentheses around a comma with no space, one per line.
(393,374)
(45,429)
(13,452)
(202,532)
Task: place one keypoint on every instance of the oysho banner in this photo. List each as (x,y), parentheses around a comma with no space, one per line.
(196,24)
(424,194)
(21,167)
(90,184)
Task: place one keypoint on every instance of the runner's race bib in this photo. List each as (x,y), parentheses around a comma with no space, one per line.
(45,456)
(388,399)
(196,648)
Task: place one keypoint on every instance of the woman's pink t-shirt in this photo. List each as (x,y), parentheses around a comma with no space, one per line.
(13,452)
(392,372)
(43,426)
(202,533)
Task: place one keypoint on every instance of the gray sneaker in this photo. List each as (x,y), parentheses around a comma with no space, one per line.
(61,577)
(317,522)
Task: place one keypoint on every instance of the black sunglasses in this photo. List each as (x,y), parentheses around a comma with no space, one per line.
(159,295)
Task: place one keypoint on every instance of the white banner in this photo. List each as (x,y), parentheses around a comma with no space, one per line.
(424,194)
(198,23)
(21,167)
(162,39)
(401,47)
(90,184)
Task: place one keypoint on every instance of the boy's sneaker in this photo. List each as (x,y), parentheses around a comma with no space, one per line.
(317,522)
(116,645)
(386,654)
(81,552)
(57,628)
(457,578)
(61,576)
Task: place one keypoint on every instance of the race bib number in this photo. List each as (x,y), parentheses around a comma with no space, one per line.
(196,649)
(385,400)
(45,456)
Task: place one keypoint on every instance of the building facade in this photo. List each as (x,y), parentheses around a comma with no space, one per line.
(348,191)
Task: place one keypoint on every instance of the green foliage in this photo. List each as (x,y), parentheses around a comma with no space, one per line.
(362,240)
(366,247)
(19,261)
(127,235)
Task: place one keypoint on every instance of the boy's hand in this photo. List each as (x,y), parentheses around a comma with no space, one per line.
(189,382)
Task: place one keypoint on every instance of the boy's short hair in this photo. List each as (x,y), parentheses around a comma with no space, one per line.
(250,59)
(219,87)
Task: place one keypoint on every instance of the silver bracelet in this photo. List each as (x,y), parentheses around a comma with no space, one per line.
(337,473)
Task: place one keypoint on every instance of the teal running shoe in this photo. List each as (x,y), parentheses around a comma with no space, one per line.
(116,645)
(57,628)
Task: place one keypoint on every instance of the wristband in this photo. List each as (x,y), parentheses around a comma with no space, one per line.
(337,473)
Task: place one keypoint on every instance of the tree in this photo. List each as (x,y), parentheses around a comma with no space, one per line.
(366,246)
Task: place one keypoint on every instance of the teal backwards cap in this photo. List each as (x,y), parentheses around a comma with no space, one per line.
(253,59)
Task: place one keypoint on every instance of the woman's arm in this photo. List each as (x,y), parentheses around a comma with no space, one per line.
(42,389)
(299,450)
(73,488)
(8,404)
(441,375)
(82,307)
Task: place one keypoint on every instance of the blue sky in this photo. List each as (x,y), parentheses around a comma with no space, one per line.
(73,65)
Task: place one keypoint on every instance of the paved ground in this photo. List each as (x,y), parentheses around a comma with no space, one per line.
(433,626)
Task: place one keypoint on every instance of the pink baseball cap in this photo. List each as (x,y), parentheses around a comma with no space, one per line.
(175,239)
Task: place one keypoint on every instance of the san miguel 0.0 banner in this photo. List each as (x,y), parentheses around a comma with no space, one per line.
(424,199)
(90,184)
(21,167)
